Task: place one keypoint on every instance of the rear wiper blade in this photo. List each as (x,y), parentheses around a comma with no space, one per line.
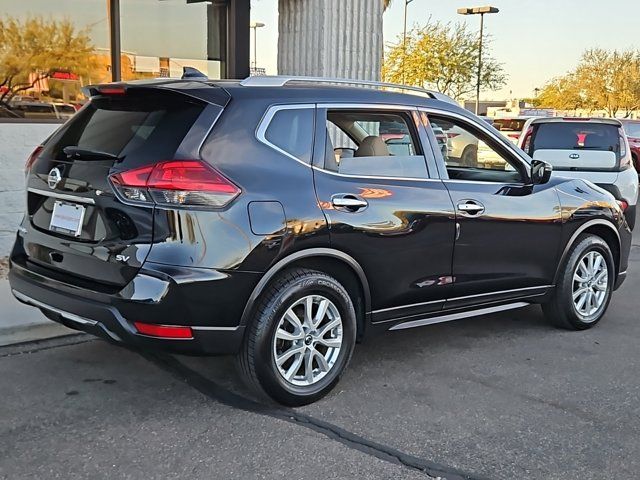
(86,153)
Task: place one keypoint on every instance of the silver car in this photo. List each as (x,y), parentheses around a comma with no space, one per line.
(594,149)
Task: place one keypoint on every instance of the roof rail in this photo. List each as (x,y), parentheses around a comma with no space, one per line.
(282,80)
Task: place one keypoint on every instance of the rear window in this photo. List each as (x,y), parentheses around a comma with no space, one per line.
(632,129)
(576,136)
(139,127)
(509,124)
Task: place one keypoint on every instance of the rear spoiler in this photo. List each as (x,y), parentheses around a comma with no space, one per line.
(194,88)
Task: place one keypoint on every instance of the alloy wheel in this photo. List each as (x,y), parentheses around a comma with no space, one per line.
(590,284)
(307,340)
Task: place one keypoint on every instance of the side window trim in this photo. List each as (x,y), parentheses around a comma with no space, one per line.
(508,149)
(261,131)
(320,144)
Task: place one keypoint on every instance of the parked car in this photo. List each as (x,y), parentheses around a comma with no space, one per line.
(218,217)
(594,149)
(632,129)
(44,110)
(510,127)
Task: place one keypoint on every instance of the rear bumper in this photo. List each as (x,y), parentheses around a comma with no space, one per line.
(185,297)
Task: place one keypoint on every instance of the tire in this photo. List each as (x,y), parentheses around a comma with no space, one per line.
(261,351)
(561,308)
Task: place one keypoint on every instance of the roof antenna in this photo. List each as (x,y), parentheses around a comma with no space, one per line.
(190,72)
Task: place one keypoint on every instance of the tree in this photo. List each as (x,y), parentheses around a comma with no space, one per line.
(443,57)
(603,80)
(33,49)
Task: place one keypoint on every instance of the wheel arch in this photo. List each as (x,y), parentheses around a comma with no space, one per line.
(603,229)
(331,261)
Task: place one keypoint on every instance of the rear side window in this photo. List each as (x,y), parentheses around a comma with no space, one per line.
(291,131)
(632,129)
(373,143)
(139,127)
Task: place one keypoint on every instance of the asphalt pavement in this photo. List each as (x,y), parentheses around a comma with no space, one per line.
(502,397)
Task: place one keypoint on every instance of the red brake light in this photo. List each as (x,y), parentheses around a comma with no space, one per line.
(33,157)
(112,90)
(623,205)
(164,331)
(176,182)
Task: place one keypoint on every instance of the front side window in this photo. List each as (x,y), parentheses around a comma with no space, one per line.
(372,143)
(469,154)
(291,131)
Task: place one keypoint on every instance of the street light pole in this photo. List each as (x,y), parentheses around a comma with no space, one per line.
(482,11)
(255,26)
(404,37)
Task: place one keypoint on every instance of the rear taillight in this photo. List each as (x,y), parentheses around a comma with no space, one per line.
(623,205)
(175,183)
(33,157)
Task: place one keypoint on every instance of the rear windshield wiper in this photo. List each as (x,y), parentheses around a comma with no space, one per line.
(88,154)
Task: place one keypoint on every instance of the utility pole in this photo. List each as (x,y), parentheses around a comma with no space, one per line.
(404,38)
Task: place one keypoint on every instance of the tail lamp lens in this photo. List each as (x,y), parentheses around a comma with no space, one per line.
(623,205)
(175,183)
(33,157)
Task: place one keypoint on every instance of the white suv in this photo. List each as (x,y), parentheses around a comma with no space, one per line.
(594,149)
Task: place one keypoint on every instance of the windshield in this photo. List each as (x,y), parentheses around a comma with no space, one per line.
(632,129)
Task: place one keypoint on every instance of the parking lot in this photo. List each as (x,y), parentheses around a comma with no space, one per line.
(502,397)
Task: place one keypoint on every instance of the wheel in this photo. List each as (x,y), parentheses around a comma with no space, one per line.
(469,157)
(584,286)
(301,338)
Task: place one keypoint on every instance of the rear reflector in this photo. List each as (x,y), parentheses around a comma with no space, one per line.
(163,331)
(176,182)
(33,157)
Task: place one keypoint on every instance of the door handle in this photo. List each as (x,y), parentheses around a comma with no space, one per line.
(470,207)
(348,202)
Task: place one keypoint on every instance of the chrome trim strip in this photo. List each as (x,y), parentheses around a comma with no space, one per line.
(67,315)
(62,196)
(408,306)
(499,292)
(266,121)
(373,177)
(217,329)
(461,298)
(458,316)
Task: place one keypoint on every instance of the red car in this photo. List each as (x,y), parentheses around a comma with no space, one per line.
(632,129)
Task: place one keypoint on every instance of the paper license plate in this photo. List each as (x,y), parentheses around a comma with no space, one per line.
(67,218)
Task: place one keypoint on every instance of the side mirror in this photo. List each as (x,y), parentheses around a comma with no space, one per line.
(540,172)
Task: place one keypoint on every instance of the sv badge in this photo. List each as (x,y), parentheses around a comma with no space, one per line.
(123,258)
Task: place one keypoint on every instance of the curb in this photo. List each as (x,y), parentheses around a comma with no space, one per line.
(33,331)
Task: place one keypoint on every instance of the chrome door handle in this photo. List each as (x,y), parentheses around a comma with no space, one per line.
(471,207)
(349,202)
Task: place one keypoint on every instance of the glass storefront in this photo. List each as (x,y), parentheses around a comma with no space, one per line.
(158,38)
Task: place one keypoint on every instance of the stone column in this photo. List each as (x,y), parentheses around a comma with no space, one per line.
(330,38)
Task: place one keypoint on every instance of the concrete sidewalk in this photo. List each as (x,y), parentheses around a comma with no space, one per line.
(21,323)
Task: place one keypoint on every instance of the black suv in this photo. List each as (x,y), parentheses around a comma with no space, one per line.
(283,220)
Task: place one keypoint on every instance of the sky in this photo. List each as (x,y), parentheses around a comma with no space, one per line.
(536,40)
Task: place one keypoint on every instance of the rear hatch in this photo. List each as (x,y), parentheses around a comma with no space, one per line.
(577,145)
(76,228)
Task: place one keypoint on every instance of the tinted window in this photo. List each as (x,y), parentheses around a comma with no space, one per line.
(139,127)
(291,130)
(575,136)
(372,143)
(632,129)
